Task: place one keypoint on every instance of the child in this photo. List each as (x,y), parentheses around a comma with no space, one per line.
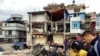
(78,50)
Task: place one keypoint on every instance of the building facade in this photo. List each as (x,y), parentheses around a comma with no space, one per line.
(55,24)
(13,29)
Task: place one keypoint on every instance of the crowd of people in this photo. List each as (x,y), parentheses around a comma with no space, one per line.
(89,45)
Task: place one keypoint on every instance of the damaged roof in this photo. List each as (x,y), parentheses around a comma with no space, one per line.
(55,11)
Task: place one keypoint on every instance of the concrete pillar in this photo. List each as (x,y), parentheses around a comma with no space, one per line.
(45,27)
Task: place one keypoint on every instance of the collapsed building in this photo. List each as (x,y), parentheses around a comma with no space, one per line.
(55,23)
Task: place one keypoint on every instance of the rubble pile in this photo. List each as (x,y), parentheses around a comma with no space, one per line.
(26,52)
(74,6)
(54,7)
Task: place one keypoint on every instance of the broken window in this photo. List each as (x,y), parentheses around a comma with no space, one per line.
(9,32)
(75,14)
(50,38)
(67,27)
(49,28)
(37,26)
(60,28)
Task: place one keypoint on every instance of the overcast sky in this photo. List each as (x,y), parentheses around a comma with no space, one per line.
(8,7)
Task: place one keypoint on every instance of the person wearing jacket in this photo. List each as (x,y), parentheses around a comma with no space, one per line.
(77,50)
(94,41)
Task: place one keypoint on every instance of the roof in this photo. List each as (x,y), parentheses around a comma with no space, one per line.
(36,12)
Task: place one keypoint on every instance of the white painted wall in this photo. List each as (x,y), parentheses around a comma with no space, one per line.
(11,26)
(71,11)
(59,39)
(75,19)
(2,35)
(40,40)
(29,39)
(39,18)
(82,10)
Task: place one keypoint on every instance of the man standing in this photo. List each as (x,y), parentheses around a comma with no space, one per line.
(66,43)
(90,38)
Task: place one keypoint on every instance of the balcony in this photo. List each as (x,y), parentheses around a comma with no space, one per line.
(13,28)
(13,24)
(15,36)
(10,36)
(38,31)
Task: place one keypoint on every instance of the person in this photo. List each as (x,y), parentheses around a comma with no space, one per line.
(53,51)
(91,38)
(66,44)
(77,50)
(45,49)
(60,51)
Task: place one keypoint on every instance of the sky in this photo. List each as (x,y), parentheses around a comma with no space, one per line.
(8,7)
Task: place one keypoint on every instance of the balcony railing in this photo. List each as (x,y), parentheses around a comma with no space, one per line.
(15,36)
(10,35)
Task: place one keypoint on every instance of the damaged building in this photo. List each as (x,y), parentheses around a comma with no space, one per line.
(55,23)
